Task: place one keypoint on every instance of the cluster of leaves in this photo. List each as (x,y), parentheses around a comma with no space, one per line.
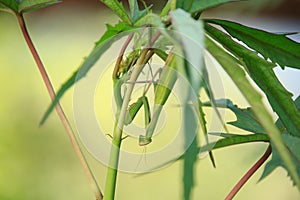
(236,59)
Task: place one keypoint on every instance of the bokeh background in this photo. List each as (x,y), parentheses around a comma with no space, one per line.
(39,163)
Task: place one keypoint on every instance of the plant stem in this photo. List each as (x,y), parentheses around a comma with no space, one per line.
(250,172)
(111,177)
(59,110)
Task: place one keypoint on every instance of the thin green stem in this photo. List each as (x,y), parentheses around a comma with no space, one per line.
(59,110)
(249,173)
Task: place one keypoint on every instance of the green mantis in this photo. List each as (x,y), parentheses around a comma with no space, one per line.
(135,107)
(119,75)
(162,91)
(163,88)
(126,64)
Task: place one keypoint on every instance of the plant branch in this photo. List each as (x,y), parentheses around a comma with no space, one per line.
(250,172)
(59,110)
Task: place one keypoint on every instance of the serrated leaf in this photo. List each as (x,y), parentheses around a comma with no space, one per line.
(209,92)
(118,9)
(22,6)
(280,125)
(234,139)
(246,119)
(261,71)
(255,100)
(278,47)
(297,102)
(101,46)
(228,140)
(293,145)
(202,122)
(113,30)
(200,5)
(136,13)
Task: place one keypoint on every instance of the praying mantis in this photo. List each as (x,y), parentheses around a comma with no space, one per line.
(163,88)
(167,79)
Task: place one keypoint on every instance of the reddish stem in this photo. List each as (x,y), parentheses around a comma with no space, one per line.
(59,109)
(249,173)
(121,54)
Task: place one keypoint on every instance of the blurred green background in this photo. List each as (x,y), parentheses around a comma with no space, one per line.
(39,163)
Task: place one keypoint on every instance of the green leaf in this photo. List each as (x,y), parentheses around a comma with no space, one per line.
(163,55)
(31,5)
(233,139)
(166,8)
(202,122)
(191,154)
(209,92)
(228,140)
(112,31)
(279,48)
(293,145)
(118,9)
(136,13)
(255,100)
(246,119)
(191,37)
(155,21)
(261,71)
(9,5)
(297,102)
(101,46)
(280,125)
(22,6)
(200,5)
(150,18)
